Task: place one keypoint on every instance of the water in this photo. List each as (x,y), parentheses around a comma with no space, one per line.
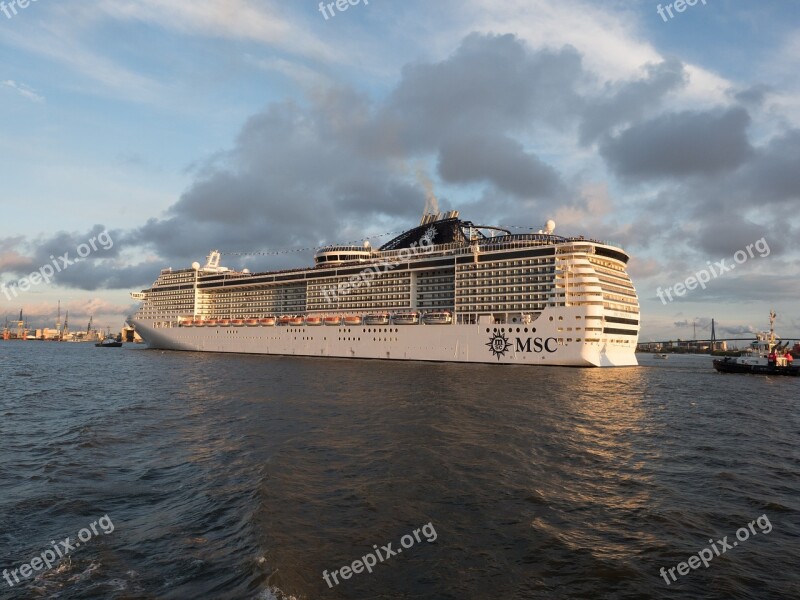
(247,477)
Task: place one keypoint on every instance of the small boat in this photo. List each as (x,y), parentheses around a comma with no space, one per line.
(267,322)
(237,322)
(408,318)
(333,321)
(296,321)
(313,321)
(440,317)
(187,323)
(251,322)
(199,323)
(284,320)
(211,322)
(352,320)
(664,356)
(766,356)
(110,342)
(379,319)
(224,323)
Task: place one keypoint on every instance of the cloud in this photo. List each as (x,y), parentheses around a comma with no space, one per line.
(502,162)
(24,90)
(680,144)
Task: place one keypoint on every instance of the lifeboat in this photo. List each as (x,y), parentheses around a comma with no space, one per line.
(284,320)
(313,321)
(381,319)
(224,323)
(251,322)
(237,322)
(439,317)
(406,318)
(211,323)
(333,321)
(352,320)
(267,322)
(187,323)
(199,323)
(296,321)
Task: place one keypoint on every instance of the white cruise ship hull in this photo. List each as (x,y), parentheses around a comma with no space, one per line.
(502,344)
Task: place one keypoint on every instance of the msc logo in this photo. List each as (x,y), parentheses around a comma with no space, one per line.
(499,344)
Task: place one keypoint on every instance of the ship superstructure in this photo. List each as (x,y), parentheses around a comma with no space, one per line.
(446,290)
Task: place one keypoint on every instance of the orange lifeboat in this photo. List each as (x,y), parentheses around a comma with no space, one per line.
(313,321)
(237,322)
(224,323)
(353,320)
(211,323)
(296,321)
(284,320)
(187,323)
(251,322)
(267,322)
(333,321)
(199,323)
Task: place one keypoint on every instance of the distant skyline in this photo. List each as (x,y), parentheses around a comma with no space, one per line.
(251,126)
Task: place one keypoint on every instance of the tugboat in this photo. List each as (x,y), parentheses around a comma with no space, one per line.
(766,356)
(110,342)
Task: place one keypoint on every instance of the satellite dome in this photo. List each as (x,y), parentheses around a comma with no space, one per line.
(196,266)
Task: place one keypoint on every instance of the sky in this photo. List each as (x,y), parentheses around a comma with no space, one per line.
(142,134)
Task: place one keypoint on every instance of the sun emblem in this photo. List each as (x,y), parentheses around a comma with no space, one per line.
(427,237)
(499,344)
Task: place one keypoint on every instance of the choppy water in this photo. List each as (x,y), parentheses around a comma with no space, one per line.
(246,477)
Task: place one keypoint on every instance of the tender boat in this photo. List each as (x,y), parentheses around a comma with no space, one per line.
(380,319)
(199,323)
(333,321)
(408,318)
(267,322)
(187,323)
(251,322)
(313,321)
(211,322)
(224,323)
(237,322)
(296,321)
(441,317)
(284,320)
(352,320)
(766,356)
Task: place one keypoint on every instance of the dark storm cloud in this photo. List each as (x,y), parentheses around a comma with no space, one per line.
(501,161)
(680,144)
(753,96)
(492,84)
(628,101)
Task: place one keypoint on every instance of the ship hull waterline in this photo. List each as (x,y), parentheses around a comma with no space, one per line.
(494,344)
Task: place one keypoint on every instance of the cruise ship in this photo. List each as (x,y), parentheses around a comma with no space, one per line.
(446,290)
